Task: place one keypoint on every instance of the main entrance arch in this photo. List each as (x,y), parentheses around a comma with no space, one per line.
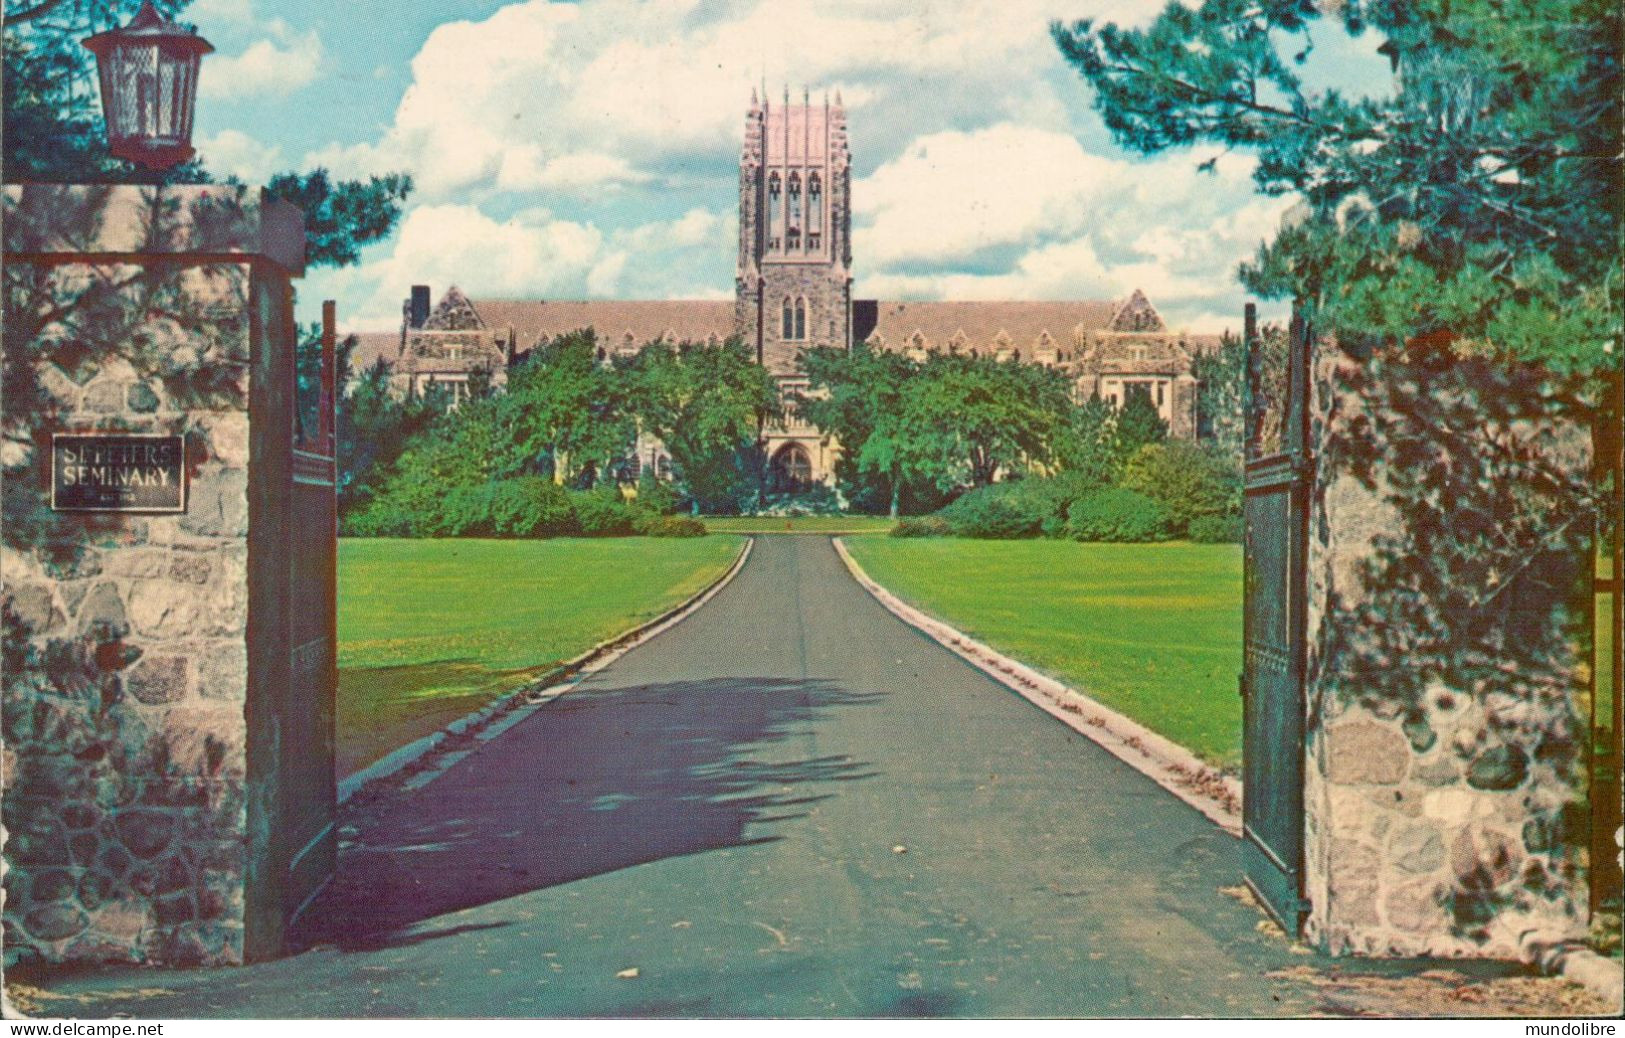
(791,469)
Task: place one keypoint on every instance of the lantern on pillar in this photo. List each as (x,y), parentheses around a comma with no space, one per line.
(148,73)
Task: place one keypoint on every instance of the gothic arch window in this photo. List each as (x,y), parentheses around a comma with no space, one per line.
(792,233)
(775,207)
(815,210)
(787,321)
(801,319)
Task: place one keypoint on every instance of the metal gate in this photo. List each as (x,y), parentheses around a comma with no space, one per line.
(1276,510)
(308,721)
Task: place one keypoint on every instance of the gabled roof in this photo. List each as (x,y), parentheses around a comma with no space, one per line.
(371,347)
(454,314)
(693,320)
(982,322)
(1137,315)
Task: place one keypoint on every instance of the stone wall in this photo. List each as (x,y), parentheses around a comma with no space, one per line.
(1447,544)
(126,636)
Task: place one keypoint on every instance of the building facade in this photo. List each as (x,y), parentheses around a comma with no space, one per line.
(793,291)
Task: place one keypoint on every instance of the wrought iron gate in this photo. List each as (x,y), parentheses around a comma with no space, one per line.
(1276,511)
(308,720)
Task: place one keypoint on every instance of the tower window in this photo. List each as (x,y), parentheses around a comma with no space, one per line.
(787,322)
(795,201)
(775,204)
(815,209)
(801,319)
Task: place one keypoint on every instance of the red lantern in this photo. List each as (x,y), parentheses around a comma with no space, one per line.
(149,88)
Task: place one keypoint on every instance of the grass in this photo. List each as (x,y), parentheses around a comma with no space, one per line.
(822,524)
(430,630)
(1151,630)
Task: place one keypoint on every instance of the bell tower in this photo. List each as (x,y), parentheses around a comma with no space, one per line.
(794,282)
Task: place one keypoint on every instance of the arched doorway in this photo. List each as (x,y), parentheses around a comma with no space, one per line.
(791,469)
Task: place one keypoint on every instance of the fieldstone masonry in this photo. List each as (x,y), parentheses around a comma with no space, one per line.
(1442,784)
(128,794)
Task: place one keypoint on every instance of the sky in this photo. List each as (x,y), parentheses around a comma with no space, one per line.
(590,149)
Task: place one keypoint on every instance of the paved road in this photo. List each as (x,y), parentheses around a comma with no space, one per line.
(789,805)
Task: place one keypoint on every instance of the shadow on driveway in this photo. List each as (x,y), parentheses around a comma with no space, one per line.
(599,780)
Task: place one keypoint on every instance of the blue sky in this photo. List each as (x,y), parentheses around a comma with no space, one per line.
(589,149)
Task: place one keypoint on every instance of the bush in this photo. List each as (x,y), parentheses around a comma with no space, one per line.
(1187,480)
(816,500)
(380,517)
(465,512)
(922,526)
(670,526)
(1216,529)
(527,507)
(997,512)
(604,513)
(656,496)
(1119,515)
(1020,508)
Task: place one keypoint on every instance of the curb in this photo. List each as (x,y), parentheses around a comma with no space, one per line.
(1179,771)
(510,706)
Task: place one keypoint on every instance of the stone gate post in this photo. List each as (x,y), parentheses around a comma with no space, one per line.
(149,409)
(1448,554)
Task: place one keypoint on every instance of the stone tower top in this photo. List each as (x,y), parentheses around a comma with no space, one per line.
(795,219)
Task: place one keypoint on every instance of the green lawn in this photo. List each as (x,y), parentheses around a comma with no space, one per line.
(1151,630)
(823,524)
(429,630)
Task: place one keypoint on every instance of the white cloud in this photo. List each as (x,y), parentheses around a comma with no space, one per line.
(1048,220)
(527,168)
(209,12)
(277,65)
(953,194)
(586,120)
(237,154)
(497,102)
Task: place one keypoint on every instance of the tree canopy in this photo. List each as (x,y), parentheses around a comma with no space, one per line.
(1477,203)
(708,404)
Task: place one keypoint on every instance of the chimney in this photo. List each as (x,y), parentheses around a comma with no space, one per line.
(420,305)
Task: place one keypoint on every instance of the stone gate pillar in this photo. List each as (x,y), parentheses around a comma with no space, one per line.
(1448,554)
(148,352)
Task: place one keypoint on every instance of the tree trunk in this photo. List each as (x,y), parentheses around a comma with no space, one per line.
(896,494)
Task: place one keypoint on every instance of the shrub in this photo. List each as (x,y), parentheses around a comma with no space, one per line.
(380,517)
(815,500)
(1117,514)
(528,507)
(604,513)
(922,526)
(997,512)
(1216,529)
(670,526)
(657,496)
(465,512)
(1187,480)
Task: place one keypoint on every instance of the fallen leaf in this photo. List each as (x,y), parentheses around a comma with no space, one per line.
(899,849)
(629,974)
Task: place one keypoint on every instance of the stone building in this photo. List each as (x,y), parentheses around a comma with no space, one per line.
(793,291)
